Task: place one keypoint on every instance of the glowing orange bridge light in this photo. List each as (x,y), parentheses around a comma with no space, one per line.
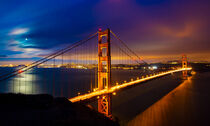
(20,71)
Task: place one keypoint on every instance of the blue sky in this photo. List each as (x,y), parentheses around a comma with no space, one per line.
(153,28)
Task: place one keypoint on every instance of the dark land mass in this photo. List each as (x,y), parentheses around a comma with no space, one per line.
(44,110)
(200,67)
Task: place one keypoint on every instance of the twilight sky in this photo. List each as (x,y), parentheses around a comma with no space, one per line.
(155,29)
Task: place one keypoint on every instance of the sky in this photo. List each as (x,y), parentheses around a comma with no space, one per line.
(154,29)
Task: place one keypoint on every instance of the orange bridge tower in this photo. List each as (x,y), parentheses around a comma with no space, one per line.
(104,71)
(184,65)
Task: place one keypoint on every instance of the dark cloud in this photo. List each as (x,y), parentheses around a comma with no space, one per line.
(3,56)
(36,47)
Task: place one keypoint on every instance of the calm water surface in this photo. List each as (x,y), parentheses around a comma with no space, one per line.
(59,81)
(167,101)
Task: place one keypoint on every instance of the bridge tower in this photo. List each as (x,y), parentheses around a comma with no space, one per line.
(184,65)
(104,72)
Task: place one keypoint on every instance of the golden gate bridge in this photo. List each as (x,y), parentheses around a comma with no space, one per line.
(106,62)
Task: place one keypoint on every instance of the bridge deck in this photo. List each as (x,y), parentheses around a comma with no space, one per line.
(126,84)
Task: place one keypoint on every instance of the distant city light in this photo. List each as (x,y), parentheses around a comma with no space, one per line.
(154,67)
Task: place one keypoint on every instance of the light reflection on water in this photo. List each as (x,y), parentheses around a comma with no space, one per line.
(60,81)
(184,106)
(157,114)
(22,83)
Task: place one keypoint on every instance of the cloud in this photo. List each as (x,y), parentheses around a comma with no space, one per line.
(186,31)
(36,47)
(3,56)
(151,27)
(19,31)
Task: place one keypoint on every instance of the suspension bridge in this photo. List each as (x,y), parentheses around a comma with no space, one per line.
(96,66)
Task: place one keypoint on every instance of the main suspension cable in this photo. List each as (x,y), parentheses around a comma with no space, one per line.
(47,58)
(128,48)
(125,53)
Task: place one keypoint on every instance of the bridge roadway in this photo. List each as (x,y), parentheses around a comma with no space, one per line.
(126,84)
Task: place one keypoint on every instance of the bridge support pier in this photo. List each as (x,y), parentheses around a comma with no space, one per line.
(104,72)
(104,104)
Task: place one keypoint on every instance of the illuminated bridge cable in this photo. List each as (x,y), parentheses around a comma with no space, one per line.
(126,53)
(128,48)
(45,59)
